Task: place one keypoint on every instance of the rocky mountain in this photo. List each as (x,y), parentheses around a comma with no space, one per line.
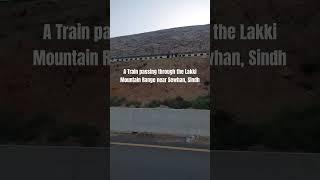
(175,40)
(46,97)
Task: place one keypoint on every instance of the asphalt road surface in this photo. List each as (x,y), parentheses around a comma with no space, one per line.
(229,165)
(146,163)
(53,163)
(139,162)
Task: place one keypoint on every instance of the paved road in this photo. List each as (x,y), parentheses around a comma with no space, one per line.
(53,163)
(128,162)
(265,166)
(144,163)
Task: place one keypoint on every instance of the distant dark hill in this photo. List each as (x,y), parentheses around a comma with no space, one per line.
(175,40)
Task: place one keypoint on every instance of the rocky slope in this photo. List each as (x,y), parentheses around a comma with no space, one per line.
(66,95)
(146,92)
(183,39)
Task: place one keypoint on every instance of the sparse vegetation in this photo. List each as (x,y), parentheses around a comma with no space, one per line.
(206,83)
(44,129)
(201,102)
(117,101)
(294,130)
(82,133)
(309,68)
(229,134)
(153,104)
(177,103)
(290,130)
(305,85)
(135,104)
(10,128)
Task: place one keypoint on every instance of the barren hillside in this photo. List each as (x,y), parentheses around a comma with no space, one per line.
(145,92)
(183,39)
(62,95)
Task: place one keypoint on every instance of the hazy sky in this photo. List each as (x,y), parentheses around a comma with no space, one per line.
(138,16)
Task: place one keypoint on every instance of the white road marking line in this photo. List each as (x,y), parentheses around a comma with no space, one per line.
(161,147)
